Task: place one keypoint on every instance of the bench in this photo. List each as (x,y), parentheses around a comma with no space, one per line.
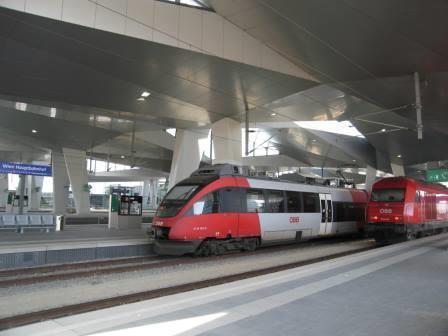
(20,223)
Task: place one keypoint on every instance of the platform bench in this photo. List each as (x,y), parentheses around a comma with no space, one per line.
(20,223)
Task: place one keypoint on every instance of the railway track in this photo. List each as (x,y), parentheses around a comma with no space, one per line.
(27,318)
(34,275)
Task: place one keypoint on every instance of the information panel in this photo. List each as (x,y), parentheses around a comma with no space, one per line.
(24,169)
(437,175)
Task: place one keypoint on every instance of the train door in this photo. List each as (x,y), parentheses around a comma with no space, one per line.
(326,208)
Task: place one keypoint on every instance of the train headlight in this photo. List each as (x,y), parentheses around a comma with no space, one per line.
(375,217)
(397,218)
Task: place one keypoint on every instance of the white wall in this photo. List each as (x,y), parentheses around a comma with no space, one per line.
(179,26)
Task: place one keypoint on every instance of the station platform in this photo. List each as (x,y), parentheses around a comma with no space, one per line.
(394,290)
(74,243)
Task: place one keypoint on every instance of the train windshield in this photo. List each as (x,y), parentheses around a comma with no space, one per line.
(181,192)
(387,195)
(175,200)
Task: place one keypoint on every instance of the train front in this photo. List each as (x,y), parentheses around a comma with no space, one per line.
(385,212)
(168,229)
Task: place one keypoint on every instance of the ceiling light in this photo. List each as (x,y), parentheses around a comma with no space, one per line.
(145,94)
(34,131)
(314,140)
(273,114)
(53,112)
(399,156)
(141,99)
(354,160)
(122,156)
(383,130)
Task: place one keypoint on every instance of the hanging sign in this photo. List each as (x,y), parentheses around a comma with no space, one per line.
(25,169)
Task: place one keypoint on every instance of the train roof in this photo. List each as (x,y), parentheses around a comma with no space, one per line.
(411,180)
(221,170)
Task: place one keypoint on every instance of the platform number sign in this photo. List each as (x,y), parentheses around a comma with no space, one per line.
(437,175)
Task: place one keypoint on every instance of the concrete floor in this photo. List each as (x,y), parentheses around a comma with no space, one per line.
(396,290)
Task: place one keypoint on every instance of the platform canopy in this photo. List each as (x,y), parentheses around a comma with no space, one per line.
(80,86)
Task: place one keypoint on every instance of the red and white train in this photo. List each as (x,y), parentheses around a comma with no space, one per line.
(218,209)
(402,207)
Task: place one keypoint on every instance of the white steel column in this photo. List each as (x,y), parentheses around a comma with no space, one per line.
(76,163)
(227,141)
(397,169)
(186,157)
(60,184)
(35,184)
(153,192)
(145,193)
(370,177)
(3,190)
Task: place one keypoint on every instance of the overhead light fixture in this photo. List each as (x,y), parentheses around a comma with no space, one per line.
(122,156)
(399,156)
(354,160)
(53,112)
(383,130)
(145,94)
(314,140)
(34,131)
(273,114)
(141,99)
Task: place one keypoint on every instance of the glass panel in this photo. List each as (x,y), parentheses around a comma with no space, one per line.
(207,205)
(387,195)
(230,199)
(311,202)
(294,201)
(182,192)
(276,201)
(255,200)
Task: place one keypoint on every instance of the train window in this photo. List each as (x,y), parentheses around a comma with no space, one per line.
(181,192)
(310,202)
(348,212)
(255,200)
(207,204)
(275,201)
(387,195)
(230,199)
(294,201)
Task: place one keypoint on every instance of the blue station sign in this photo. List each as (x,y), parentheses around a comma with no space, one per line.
(24,169)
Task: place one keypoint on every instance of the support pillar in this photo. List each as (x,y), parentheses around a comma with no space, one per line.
(3,190)
(186,156)
(60,184)
(397,169)
(35,184)
(370,178)
(153,193)
(22,192)
(76,163)
(227,141)
(145,194)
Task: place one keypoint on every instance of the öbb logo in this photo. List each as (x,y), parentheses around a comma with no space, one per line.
(386,211)
(293,220)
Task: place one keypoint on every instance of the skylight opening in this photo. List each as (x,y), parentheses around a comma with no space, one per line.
(171,131)
(190,3)
(332,126)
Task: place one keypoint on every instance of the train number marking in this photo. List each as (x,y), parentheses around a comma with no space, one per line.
(294,220)
(200,228)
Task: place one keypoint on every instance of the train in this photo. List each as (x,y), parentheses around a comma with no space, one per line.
(402,208)
(219,209)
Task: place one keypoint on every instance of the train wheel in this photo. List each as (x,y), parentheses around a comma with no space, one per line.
(207,248)
(410,235)
(250,244)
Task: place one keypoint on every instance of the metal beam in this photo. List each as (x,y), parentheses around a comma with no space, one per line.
(418,106)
